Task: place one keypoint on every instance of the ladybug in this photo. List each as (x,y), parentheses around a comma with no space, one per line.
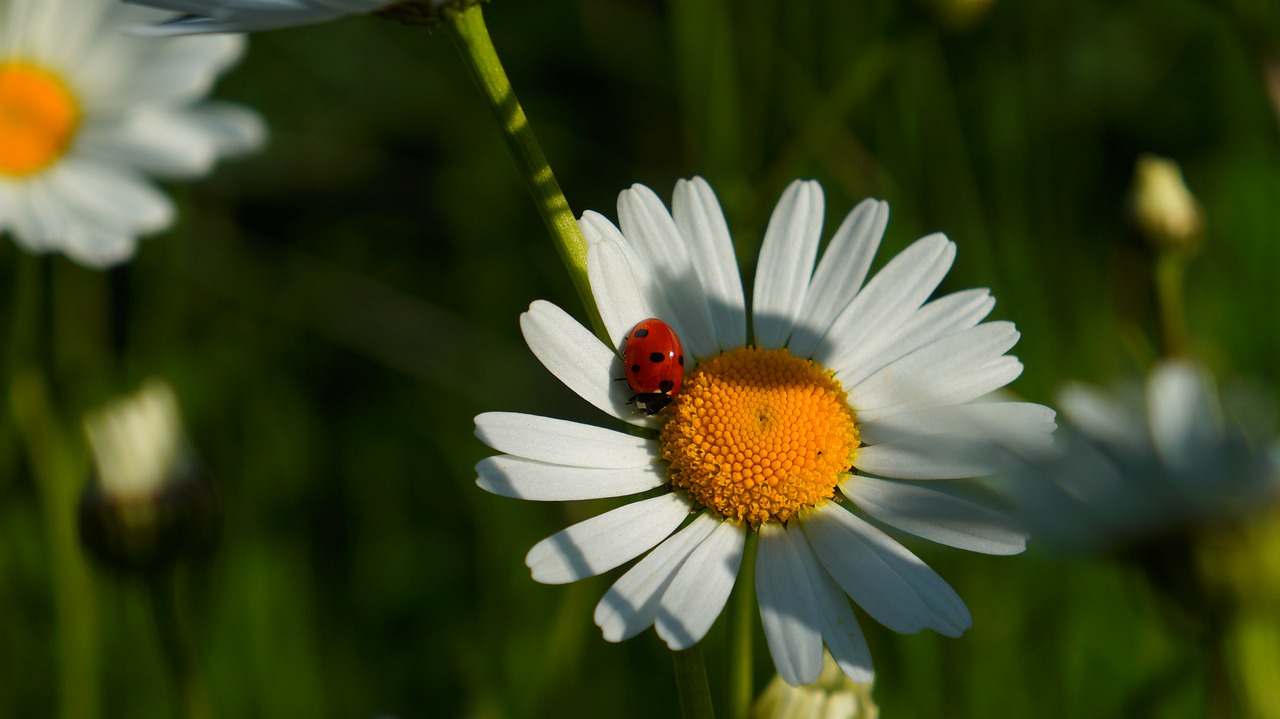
(654,360)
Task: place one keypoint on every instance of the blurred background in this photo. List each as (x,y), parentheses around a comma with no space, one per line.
(334,311)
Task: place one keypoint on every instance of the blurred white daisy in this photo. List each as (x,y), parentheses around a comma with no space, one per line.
(1133,466)
(86,112)
(811,435)
(214,16)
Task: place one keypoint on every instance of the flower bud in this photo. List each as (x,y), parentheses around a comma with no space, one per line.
(150,503)
(833,696)
(1161,207)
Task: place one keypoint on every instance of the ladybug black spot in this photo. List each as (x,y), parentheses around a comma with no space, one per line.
(640,333)
(656,357)
(635,369)
(681,360)
(666,386)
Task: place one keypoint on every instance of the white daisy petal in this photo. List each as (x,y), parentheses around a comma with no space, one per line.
(930,375)
(840,274)
(561,442)
(546,482)
(898,290)
(931,512)
(579,360)
(112,195)
(653,234)
(607,541)
(786,262)
(1103,418)
(788,610)
(1021,422)
(1182,416)
(937,319)
(882,576)
(691,603)
(631,604)
(840,630)
(621,294)
(701,222)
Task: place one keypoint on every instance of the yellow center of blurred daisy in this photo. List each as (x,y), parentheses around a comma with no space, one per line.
(38,117)
(758,434)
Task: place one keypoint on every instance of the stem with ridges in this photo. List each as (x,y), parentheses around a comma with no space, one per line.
(469,33)
(742,635)
(692,685)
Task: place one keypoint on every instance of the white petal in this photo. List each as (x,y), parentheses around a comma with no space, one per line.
(840,274)
(880,309)
(607,541)
(1102,418)
(579,360)
(111,195)
(618,279)
(931,512)
(786,262)
(701,222)
(545,482)
(840,630)
(787,607)
(1183,417)
(561,442)
(653,234)
(934,374)
(955,441)
(893,585)
(690,605)
(940,318)
(631,604)
(1025,421)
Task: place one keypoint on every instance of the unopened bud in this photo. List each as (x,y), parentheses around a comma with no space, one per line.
(833,696)
(1162,208)
(150,503)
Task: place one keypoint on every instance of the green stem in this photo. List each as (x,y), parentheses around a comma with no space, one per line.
(691,683)
(741,689)
(162,591)
(60,469)
(469,33)
(1170,277)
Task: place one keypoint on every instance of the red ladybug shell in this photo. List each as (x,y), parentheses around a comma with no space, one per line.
(654,361)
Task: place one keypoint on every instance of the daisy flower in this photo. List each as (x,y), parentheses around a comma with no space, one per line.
(86,112)
(812,430)
(1134,466)
(211,16)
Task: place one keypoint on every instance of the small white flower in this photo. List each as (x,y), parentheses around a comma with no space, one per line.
(86,112)
(1130,467)
(214,16)
(766,438)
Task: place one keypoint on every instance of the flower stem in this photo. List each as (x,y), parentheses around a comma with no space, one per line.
(469,33)
(162,591)
(691,683)
(741,689)
(59,469)
(1170,277)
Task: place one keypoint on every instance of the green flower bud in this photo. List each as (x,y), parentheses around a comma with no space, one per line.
(1161,207)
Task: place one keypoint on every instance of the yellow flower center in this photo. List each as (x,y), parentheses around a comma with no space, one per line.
(758,434)
(38,117)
